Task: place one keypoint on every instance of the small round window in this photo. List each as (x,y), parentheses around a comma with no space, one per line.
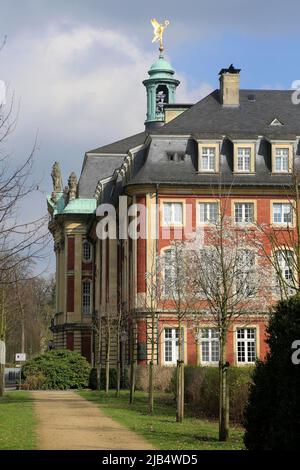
(87,251)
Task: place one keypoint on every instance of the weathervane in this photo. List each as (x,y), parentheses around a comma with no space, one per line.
(158,32)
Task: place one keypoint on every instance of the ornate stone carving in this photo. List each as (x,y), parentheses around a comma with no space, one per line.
(72,183)
(56,177)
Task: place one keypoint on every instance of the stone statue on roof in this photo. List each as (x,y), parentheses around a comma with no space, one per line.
(56,178)
(72,183)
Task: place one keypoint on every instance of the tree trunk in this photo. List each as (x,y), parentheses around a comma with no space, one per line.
(107,364)
(22,335)
(99,376)
(2,368)
(224,390)
(132,365)
(2,337)
(180,379)
(99,354)
(151,368)
(118,385)
(132,381)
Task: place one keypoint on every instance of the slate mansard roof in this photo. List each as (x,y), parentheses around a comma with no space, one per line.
(257,109)
(207,119)
(101,163)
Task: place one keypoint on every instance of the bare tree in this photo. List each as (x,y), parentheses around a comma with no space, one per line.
(110,325)
(20,240)
(279,241)
(133,357)
(178,289)
(2,338)
(121,331)
(231,282)
(153,302)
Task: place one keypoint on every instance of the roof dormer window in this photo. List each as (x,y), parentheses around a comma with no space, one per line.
(244,157)
(282,158)
(176,156)
(208,157)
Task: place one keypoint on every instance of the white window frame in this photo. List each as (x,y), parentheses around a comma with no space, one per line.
(283,159)
(210,340)
(86,243)
(168,272)
(172,221)
(247,340)
(244,204)
(207,209)
(244,155)
(283,212)
(247,273)
(209,155)
(286,269)
(173,341)
(86,308)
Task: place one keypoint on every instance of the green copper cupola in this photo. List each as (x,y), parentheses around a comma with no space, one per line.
(161,90)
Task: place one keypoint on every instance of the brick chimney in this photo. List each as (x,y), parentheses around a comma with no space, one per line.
(230,86)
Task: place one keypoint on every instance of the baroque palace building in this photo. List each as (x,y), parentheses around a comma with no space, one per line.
(247,139)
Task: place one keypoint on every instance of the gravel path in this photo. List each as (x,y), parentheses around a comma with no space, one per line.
(69,422)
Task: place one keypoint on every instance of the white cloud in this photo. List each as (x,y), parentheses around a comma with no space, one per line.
(82,88)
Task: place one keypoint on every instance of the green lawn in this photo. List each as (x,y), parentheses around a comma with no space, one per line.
(17,422)
(161,429)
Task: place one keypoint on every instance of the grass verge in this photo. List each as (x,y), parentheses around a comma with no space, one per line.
(17,422)
(161,429)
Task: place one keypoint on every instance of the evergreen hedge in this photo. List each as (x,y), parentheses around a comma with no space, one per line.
(272,416)
(56,369)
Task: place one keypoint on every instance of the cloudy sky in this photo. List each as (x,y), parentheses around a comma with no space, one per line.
(76,66)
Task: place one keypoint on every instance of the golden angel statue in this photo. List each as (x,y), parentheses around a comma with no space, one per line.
(159,31)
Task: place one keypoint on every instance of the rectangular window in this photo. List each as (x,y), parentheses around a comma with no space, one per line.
(282,213)
(86,297)
(168,272)
(244,159)
(171,345)
(245,274)
(244,213)
(173,213)
(208,212)
(210,345)
(208,159)
(246,345)
(86,251)
(282,160)
(285,263)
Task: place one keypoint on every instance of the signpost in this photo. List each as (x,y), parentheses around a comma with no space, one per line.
(20,357)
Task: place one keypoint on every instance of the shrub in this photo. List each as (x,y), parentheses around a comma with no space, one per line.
(272,415)
(34,382)
(93,379)
(112,379)
(202,390)
(57,369)
(163,377)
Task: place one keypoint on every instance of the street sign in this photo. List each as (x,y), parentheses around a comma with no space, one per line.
(21,357)
(2,352)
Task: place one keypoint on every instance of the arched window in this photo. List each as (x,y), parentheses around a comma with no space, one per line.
(162,98)
(87,251)
(86,297)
